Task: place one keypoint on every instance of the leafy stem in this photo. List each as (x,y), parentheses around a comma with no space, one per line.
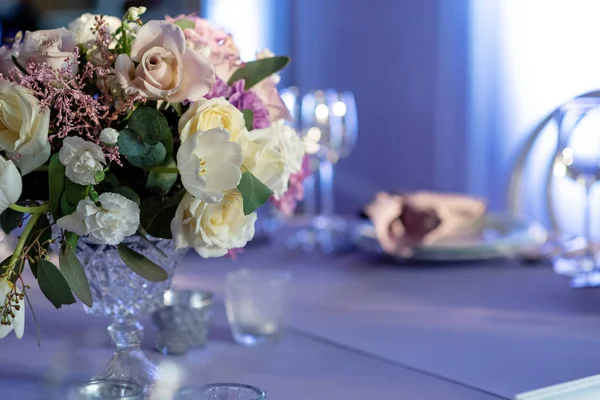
(164,170)
(23,239)
(30,210)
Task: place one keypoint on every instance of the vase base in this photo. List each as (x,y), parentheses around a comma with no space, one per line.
(132,366)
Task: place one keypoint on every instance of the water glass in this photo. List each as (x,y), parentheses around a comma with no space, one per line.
(222,391)
(107,390)
(256,303)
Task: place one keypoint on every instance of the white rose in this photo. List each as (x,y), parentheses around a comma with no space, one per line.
(117,218)
(18,322)
(6,62)
(273,154)
(214,113)
(82,159)
(209,164)
(212,229)
(27,164)
(54,47)
(109,135)
(23,125)
(11,184)
(83,28)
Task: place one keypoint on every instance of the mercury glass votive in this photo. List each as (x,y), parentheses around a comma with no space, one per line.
(256,303)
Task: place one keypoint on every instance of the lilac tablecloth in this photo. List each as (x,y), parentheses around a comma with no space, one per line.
(359,329)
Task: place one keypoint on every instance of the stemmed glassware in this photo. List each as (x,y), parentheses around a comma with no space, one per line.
(328,123)
(578,158)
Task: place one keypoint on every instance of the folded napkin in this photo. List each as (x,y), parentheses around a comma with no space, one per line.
(403,221)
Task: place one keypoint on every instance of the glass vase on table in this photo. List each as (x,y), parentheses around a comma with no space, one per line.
(120,293)
(578,158)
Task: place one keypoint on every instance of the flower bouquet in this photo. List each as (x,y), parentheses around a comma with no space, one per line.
(123,134)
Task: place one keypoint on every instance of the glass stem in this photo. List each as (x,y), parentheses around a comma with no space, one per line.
(326,189)
(587,222)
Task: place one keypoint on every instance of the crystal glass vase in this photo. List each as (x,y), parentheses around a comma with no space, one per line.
(122,294)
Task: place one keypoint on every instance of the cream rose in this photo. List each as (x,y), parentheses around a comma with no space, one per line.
(54,47)
(6,62)
(212,229)
(214,113)
(166,69)
(273,154)
(23,125)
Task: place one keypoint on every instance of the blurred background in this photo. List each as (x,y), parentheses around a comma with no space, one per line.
(447,91)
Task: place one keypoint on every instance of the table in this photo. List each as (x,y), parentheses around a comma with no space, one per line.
(361,328)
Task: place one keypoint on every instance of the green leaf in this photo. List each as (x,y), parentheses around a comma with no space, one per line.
(73,272)
(149,124)
(130,144)
(74,192)
(255,71)
(248,118)
(71,239)
(156,215)
(42,233)
(160,182)
(141,265)
(254,192)
(154,157)
(144,236)
(10,219)
(56,183)
(185,24)
(166,138)
(66,207)
(54,285)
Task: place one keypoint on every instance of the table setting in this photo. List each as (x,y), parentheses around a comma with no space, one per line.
(187,203)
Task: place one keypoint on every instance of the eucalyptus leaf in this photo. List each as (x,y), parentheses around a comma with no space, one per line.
(248,118)
(53,284)
(56,184)
(124,191)
(130,143)
(141,265)
(73,272)
(185,24)
(255,71)
(154,157)
(149,124)
(254,192)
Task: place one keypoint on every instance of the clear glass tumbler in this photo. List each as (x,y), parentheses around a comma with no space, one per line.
(256,303)
(222,391)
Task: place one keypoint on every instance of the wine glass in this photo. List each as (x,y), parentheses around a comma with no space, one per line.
(578,158)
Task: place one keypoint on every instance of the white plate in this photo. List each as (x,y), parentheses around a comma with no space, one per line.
(496,236)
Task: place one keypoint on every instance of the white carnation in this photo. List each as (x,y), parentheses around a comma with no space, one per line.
(116,218)
(273,154)
(82,159)
(212,229)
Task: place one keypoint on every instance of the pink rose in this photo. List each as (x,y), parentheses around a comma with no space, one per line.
(54,47)
(166,70)
(216,44)
(268,93)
